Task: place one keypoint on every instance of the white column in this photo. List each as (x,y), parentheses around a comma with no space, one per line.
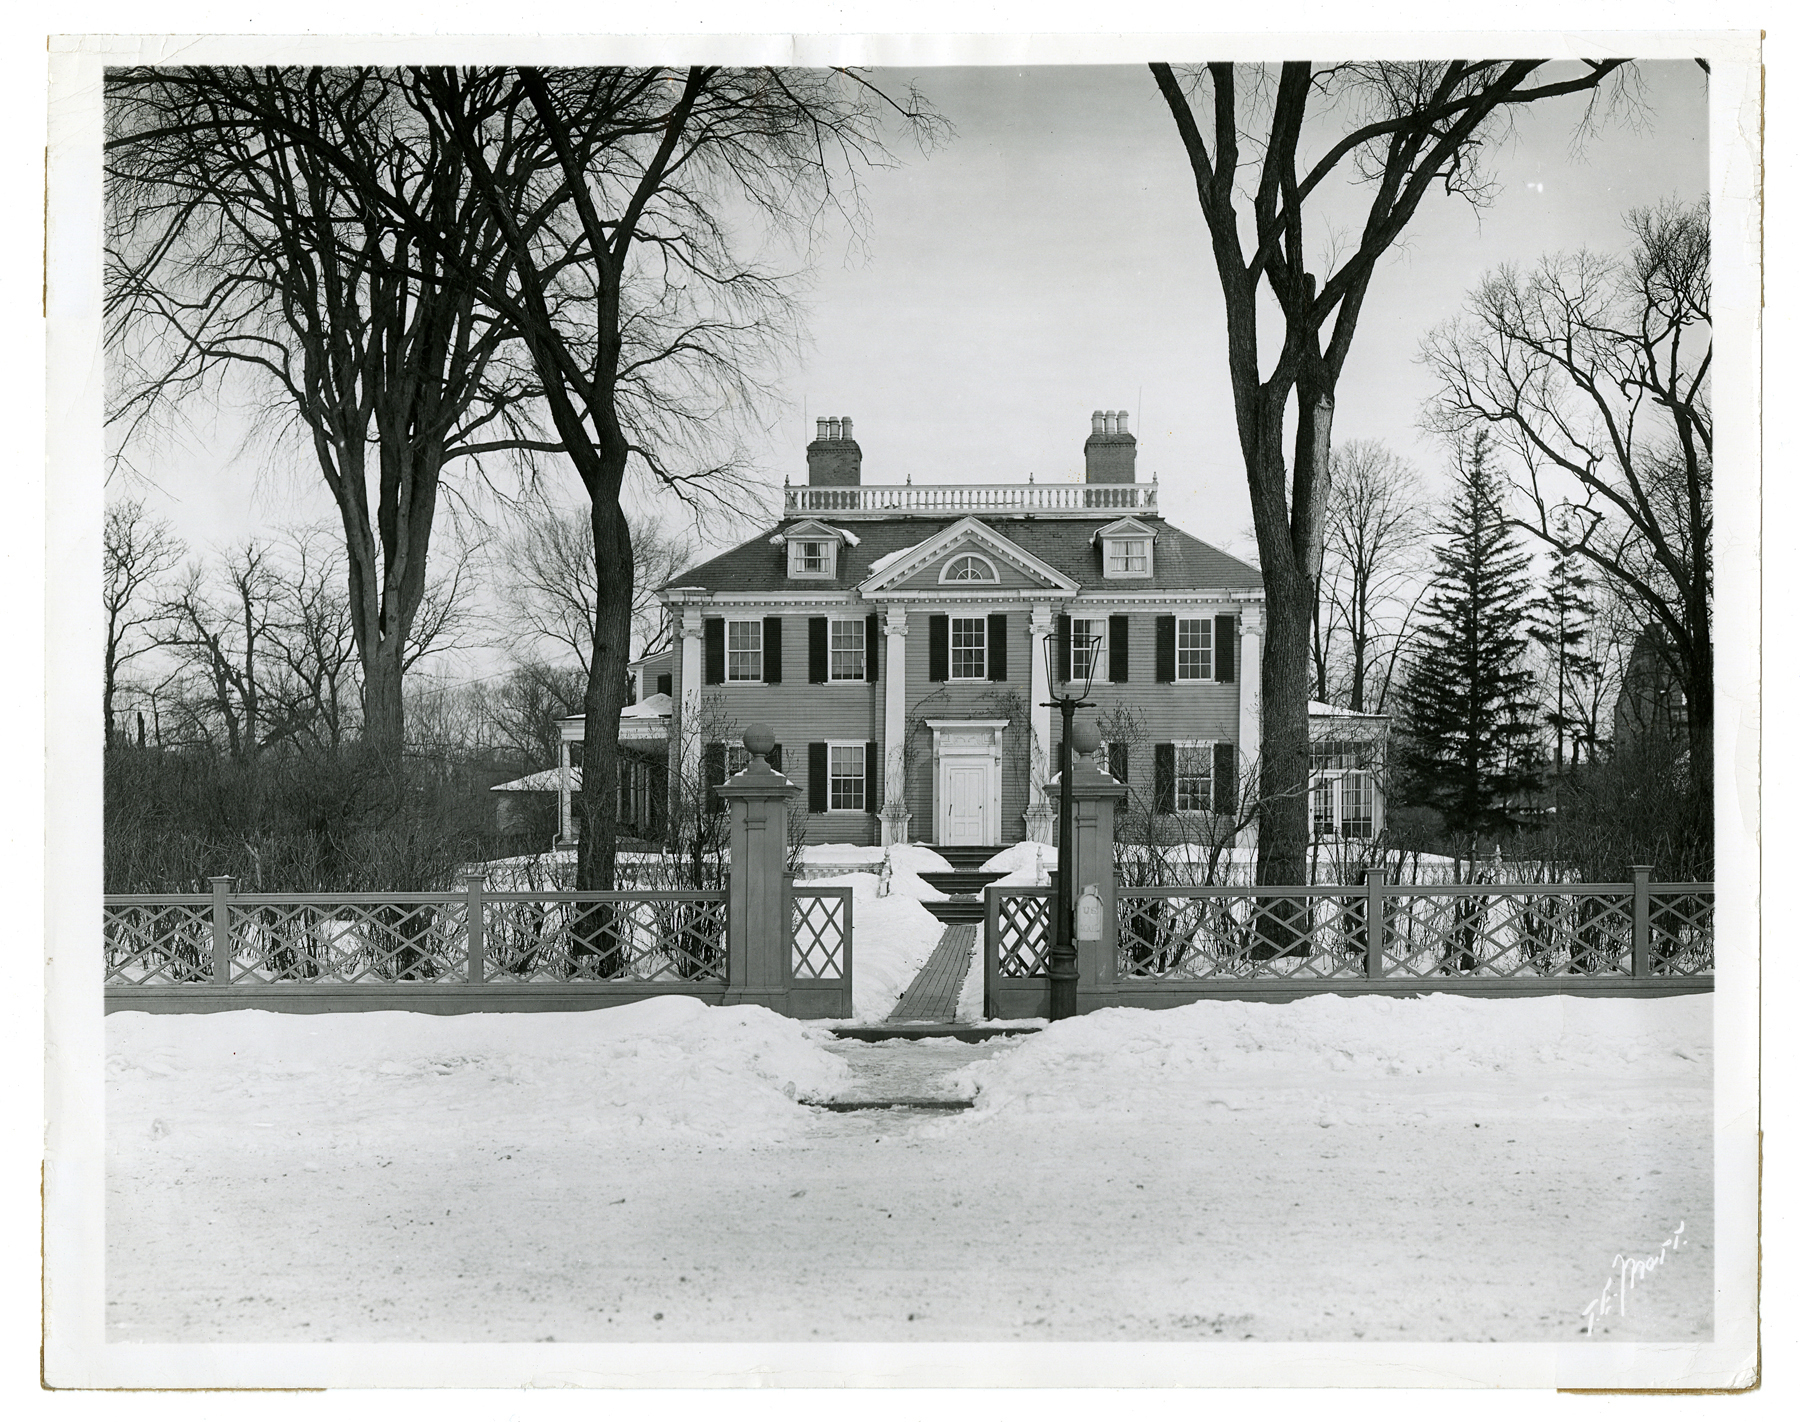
(565,809)
(693,625)
(1249,670)
(894,814)
(1040,814)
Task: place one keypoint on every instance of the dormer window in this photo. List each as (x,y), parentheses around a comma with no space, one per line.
(812,548)
(968,568)
(1125,556)
(1127,549)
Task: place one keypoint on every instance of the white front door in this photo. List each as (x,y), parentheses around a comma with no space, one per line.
(966,795)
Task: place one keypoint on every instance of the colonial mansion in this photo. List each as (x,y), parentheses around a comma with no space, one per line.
(895,638)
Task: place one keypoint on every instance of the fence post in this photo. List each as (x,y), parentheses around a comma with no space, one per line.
(1375,921)
(1096,797)
(221,929)
(475,925)
(760,923)
(1640,920)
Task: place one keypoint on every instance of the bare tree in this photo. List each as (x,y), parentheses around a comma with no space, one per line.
(222,629)
(235,251)
(1593,371)
(137,552)
(1397,130)
(1373,573)
(551,584)
(618,269)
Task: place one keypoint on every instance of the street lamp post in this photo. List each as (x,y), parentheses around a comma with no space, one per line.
(1063,970)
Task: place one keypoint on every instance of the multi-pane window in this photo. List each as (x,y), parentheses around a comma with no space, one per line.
(1087,648)
(1343,790)
(847,770)
(1193,775)
(1193,649)
(1128,555)
(969,569)
(847,648)
(744,651)
(736,759)
(968,648)
(813,557)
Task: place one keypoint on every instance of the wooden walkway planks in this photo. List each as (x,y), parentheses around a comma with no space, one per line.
(931,996)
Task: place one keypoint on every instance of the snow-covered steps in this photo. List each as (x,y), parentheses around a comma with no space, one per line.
(917,1074)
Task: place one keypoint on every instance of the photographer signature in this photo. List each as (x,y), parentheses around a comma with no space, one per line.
(1630,1271)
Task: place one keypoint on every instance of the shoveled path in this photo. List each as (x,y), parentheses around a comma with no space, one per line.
(931,996)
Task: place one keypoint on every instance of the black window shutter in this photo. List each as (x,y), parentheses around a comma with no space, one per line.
(818,777)
(1118,761)
(1062,647)
(1225,778)
(871,645)
(818,650)
(996,646)
(714,772)
(939,669)
(715,651)
(1225,648)
(665,684)
(774,756)
(1165,778)
(1118,649)
(1165,648)
(772,650)
(871,785)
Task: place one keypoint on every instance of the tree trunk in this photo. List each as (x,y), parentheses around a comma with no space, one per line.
(597,856)
(1282,830)
(384,714)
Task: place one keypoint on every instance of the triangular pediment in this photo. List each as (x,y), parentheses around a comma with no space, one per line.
(1125,528)
(810,528)
(968,546)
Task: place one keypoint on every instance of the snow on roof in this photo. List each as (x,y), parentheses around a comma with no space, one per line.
(550,779)
(887,558)
(1320,708)
(658,705)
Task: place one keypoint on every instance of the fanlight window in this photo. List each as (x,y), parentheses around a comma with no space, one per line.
(969,568)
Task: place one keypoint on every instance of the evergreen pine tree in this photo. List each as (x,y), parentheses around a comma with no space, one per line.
(1471,737)
(1562,625)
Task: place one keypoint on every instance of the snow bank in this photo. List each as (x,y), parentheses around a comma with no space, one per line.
(1146,1061)
(917,859)
(1027,863)
(669,1065)
(892,936)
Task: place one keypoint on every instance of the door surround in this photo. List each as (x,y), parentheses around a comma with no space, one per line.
(962,741)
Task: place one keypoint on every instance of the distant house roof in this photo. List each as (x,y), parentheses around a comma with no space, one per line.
(1182,561)
(1320,708)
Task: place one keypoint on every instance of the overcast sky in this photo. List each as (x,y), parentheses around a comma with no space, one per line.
(1050,259)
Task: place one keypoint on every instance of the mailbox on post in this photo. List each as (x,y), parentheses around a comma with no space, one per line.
(1089,915)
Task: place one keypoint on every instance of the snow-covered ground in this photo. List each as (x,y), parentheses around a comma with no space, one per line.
(1334,1168)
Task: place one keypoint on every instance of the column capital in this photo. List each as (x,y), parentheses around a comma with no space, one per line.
(693,621)
(893,619)
(1043,620)
(1250,619)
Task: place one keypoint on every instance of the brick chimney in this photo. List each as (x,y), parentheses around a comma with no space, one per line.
(1111,450)
(834,458)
